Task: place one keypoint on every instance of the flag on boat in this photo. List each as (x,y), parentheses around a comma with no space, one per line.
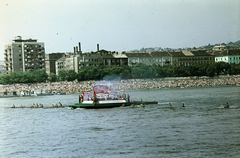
(101,89)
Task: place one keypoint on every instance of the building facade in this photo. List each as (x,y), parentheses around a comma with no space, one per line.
(99,59)
(24,55)
(174,58)
(229,56)
(50,60)
(60,64)
(188,58)
(149,58)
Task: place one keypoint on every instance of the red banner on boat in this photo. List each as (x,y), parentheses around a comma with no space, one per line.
(101,89)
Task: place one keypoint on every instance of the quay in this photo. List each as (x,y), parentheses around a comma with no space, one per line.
(129,84)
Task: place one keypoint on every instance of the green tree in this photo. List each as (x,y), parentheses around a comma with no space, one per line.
(40,76)
(180,72)
(222,67)
(168,71)
(89,73)
(211,70)
(105,72)
(71,75)
(194,70)
(5,79)
(62,75)
(143,71)
(53,77)
(126,73)
(234,69)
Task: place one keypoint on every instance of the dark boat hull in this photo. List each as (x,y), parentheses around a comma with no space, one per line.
(109,105)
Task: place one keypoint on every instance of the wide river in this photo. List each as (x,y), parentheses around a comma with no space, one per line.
(202,129)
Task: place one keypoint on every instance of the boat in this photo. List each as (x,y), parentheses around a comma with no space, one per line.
(101,97)
(60,93)
(42,93)
(100,104)
(104,97)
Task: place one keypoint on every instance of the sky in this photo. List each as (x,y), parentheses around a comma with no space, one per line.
(119,25)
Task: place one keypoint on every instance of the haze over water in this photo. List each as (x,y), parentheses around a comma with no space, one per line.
(202,129)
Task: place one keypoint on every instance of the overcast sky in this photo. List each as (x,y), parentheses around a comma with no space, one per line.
(119,25)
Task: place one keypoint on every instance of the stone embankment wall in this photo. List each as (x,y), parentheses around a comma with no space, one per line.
(131,84)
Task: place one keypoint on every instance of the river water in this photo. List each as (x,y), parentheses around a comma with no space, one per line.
(202,129)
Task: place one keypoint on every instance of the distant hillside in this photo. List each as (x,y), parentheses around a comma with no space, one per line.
(237,42)
(206,47)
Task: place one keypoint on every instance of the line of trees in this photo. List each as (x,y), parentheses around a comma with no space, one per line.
(139,71)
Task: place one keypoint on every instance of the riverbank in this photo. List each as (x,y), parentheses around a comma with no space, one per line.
(130,84)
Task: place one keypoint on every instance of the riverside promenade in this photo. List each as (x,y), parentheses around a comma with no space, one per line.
(130,84)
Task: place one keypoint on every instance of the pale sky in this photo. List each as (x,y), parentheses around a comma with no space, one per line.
(119,25)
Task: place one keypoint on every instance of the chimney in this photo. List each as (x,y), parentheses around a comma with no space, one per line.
(74,51)
(98,47)
(79,46)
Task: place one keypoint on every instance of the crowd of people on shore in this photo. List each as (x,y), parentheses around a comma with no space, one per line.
(181,82)
(130,84)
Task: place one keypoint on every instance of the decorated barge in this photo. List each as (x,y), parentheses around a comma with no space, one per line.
(104,97)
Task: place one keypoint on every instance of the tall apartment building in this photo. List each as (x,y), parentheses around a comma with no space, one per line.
(50,60)
(24,55)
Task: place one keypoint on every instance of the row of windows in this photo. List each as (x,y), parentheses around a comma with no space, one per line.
(231,58)
(181,59)
(148,60)
(90,60)
(33,64)
(90,65)
(29,45)
(159,60)
(191,63)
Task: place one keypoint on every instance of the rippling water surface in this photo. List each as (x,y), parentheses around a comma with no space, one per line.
(202,129)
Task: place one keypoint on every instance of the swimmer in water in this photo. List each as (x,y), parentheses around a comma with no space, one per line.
(226,106)
(183,105)
(122,105)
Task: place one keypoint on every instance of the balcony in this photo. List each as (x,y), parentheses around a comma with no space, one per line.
(29,66)
(41,66)
(40,56)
